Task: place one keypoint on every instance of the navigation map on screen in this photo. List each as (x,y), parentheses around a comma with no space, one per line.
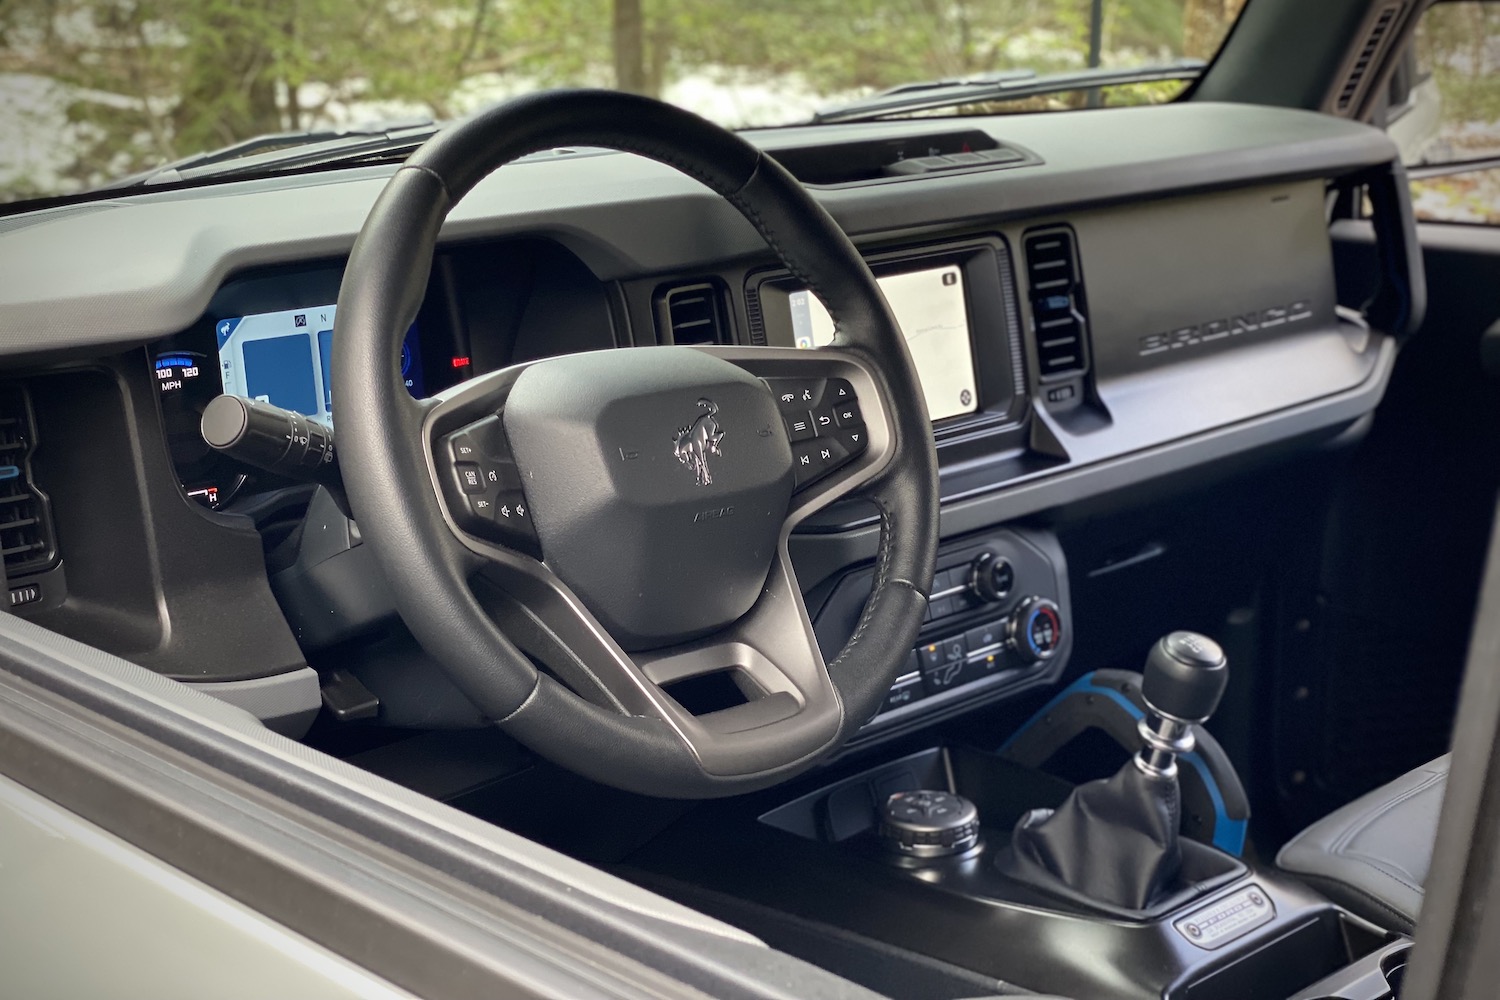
(283,358)
(929,305)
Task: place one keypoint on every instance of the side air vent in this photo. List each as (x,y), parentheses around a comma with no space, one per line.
(692,314)
(27,542)
(1059,314)
(1357,75)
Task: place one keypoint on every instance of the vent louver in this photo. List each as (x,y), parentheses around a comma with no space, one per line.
(26,539)
(693,314)
(1354,80)
(1059,317)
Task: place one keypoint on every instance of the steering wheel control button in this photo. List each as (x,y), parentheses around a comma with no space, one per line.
(470,479)
(929,824)
(512,517)
(839,391)
(848,415)
(1036,630)
(799,427)
(812,460)
(796,395)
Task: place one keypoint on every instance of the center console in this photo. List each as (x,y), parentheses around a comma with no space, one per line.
(982,862)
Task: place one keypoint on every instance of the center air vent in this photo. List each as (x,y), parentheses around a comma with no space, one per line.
(692,314)
(26,539)
(1058,311)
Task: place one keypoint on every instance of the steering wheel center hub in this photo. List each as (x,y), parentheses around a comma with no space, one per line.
(658,480)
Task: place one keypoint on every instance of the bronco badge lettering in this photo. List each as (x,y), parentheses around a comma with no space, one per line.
(694,443)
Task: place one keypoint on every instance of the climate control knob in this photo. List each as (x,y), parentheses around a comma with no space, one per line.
(1035,629)
(991,576)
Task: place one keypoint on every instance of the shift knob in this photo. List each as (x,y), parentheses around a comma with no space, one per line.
(1185,677)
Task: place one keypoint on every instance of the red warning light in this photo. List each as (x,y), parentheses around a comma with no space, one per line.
(461,362)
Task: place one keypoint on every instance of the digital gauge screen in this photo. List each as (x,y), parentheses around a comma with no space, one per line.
(284,358)
(279,357)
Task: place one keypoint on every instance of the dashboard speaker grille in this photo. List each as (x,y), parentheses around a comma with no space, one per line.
(693,314)
(27,542)
(1359,70)
(1058,313)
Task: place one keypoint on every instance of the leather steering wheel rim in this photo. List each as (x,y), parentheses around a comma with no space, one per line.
(385,457)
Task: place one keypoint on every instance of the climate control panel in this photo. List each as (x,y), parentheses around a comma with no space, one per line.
(997,623)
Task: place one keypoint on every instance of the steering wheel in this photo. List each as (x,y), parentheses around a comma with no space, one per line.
(624,514)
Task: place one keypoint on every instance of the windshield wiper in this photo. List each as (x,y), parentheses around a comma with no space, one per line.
(1010,85)
(285,151)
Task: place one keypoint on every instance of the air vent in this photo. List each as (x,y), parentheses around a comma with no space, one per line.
(1369,53)
(26,539)
(1059,315)
(693,314)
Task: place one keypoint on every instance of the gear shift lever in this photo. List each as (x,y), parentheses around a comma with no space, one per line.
(1116,841)
(1185,677)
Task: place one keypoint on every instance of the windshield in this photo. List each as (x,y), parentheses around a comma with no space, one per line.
(94,91)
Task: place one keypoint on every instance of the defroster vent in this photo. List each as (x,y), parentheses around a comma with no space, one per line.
(693,314)
(1359,70)
(1058,309)
(27,542)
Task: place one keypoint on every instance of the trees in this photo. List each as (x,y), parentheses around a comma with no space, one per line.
(129,84)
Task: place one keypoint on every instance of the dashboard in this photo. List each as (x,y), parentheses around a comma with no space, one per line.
(1126,301)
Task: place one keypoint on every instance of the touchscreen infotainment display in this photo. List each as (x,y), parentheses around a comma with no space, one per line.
(929,305)
(283,358)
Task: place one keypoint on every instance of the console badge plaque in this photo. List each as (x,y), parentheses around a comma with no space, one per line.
(1226,919)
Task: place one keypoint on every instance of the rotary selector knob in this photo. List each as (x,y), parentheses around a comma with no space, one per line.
(992,577)
(1036,629)
(928,824)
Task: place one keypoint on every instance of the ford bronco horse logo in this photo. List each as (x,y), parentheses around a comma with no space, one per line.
(694,443)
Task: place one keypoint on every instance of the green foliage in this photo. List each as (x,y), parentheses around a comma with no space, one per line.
(142,82)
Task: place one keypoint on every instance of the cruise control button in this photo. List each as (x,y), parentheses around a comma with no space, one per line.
(482,509)
(470,479)
(462,447)
(848,415)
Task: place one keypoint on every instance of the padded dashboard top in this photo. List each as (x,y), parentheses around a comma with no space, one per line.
(114,273)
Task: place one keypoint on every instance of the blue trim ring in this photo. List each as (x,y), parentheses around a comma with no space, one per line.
(1229,834)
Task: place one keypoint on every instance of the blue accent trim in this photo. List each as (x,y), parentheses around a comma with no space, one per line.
(1229,834)
(10,472)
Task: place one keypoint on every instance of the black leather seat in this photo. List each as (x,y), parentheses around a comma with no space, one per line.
(1372,855)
